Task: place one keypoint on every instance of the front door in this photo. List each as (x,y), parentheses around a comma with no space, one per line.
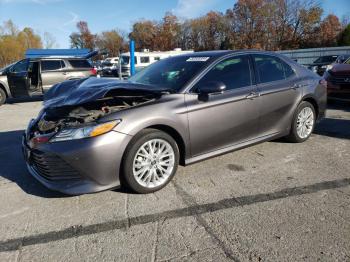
(228,118)
(18,80)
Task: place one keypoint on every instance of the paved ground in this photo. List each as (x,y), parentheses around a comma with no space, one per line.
(272,202)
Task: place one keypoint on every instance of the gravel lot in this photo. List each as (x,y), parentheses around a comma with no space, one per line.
(272,202)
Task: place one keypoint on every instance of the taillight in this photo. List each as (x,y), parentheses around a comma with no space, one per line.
(93,71)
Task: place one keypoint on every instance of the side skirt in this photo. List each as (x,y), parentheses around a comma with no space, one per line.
(235,147)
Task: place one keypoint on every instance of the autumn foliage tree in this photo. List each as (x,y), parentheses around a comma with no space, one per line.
(330,30)
(111,41)
(14,42)
(262,24)
(83,38)
(144,34)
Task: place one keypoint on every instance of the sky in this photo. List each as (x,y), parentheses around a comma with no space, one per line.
(59,17)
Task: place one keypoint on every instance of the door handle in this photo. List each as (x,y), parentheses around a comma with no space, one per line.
(296,86)
(252,95)
(64,73)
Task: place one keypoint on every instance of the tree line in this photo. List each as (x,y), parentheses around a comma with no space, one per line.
(14,42)
(260,24)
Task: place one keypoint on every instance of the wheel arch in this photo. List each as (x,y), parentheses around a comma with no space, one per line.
(313,102)
(2,86)
(176,136)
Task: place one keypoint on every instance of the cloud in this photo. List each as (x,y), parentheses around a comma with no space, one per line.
(193,8)
(73,20)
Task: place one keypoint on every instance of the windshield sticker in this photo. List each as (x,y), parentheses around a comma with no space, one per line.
(198,59)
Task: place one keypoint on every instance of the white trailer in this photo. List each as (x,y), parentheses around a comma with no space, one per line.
(145,58)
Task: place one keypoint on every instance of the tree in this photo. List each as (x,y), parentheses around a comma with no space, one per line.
(169,32)
(144,33)
(111,41)
(83,38)
(330,29)
(344,39)
(49,41)
(14,42)
(250,22)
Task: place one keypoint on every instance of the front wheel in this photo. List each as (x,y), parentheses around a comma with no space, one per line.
(303,123)
(150,161)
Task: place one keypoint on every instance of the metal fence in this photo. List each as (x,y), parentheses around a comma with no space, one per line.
(307,56)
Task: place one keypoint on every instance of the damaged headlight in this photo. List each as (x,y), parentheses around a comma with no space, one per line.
(83,132)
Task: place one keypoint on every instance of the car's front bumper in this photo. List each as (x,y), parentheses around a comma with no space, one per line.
(77,166)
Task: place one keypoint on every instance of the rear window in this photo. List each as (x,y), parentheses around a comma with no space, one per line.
(49,65)
(271,68)
(76,63)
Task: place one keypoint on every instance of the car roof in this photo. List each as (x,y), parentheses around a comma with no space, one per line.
(221,53)
(56,57)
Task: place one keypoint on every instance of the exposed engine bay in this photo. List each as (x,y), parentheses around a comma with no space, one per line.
(55,119)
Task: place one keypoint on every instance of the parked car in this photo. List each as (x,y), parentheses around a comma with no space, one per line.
(35,76)
(110,66)
(97,65)
(96,132)
(322,64)
(338,81)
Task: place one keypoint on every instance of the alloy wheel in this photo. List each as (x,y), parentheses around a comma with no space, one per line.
(305,122)
(153,163)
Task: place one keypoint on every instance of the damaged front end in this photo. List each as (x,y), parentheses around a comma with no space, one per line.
(53,120)
(77,113)
(82,109)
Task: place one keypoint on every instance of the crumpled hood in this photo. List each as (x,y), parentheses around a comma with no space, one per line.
(76,92)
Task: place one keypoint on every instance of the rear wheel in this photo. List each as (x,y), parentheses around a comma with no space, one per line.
(2,96)
(151,161)
(303,123)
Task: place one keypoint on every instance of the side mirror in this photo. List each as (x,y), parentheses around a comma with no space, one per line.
(208,88)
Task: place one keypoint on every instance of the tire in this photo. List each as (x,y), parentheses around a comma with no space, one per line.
(299,135)
(144,171)
(2,96)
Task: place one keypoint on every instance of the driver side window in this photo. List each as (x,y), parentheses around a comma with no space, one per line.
(21,66)
(234,72)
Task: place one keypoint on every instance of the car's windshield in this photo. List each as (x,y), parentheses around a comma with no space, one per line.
(171,73)
(325,59)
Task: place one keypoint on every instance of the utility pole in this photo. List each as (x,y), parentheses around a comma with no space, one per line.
(120,66)
(132,57)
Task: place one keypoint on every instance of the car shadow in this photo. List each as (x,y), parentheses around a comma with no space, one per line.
(333,127)
(337,126)
(13,166)
(24,99)
(339,105)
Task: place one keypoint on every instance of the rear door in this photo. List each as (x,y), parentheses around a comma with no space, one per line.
(17,78)
(79,68)
(279,92)
(52,72)
(227,118)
